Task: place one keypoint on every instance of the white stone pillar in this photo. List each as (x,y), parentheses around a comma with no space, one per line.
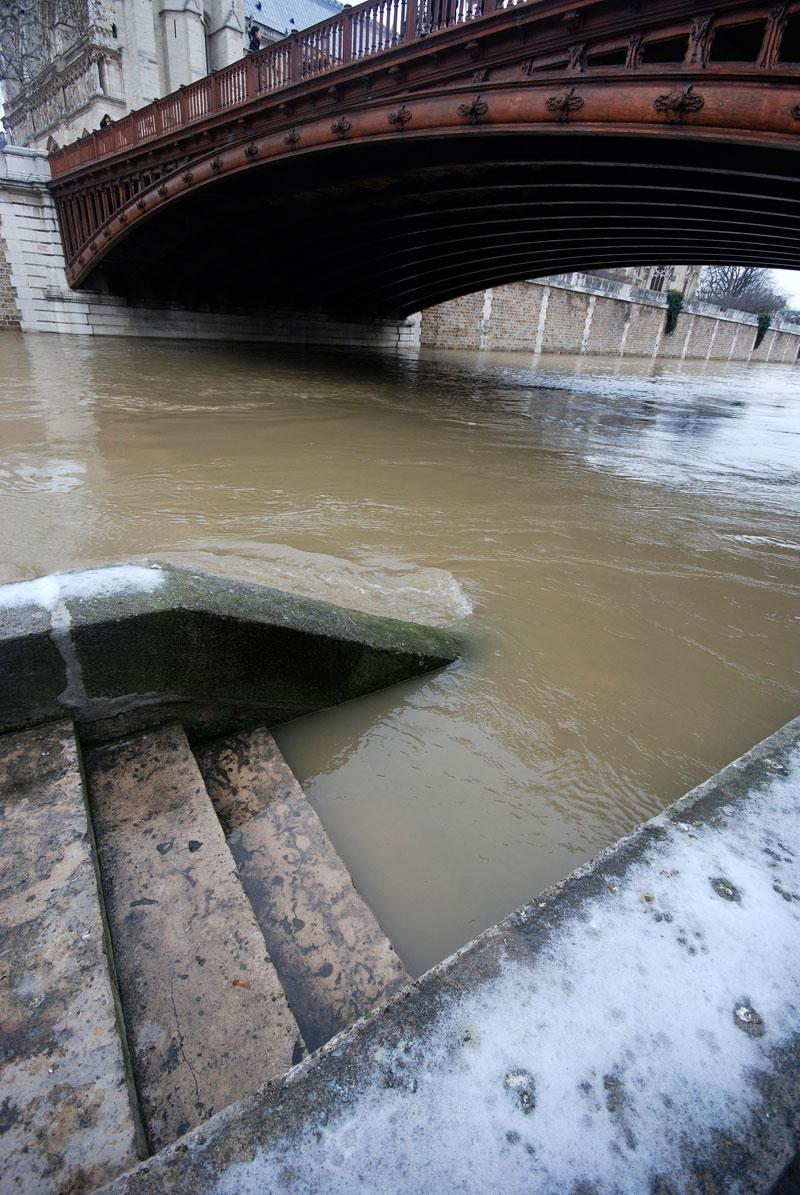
(587,326)
(225,26)
(183,42)
(542,320)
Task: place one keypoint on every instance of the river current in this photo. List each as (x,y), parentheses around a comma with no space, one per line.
(618,542)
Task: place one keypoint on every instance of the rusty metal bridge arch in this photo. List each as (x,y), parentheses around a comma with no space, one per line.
(403,152)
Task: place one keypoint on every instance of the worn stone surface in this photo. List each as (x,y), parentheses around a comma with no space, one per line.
(66,1123)
(334,960)
(590,1043)
(206,1016)
(131,646)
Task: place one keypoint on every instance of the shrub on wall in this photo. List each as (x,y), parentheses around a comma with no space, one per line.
(764,321)
(674,308)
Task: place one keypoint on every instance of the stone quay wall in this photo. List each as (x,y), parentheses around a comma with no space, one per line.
(37,298)
(580,314)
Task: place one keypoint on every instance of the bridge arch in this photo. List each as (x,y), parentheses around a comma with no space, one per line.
(379,197)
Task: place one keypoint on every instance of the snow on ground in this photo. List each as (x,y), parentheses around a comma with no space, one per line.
(634,1036)
(47,592)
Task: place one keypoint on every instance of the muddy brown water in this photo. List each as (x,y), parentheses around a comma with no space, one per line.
(618,541)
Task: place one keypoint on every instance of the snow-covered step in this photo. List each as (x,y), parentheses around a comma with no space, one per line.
(66,1121)
(206,1015)
(332,956)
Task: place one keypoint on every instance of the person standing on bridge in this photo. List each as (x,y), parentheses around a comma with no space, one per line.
(255,39)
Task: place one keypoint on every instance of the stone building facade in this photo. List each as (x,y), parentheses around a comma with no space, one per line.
(659,278)
(65,64)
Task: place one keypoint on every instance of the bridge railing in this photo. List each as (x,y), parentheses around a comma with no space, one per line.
(352,35)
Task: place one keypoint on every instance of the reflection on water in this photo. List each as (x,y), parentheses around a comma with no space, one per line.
(619,541)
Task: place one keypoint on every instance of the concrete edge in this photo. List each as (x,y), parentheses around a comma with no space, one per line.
(127,647)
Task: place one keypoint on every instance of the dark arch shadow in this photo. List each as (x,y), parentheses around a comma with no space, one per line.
(386,227)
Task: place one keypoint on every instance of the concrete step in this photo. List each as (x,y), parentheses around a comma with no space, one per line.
(332,956)
(206,1016)
(66,1120)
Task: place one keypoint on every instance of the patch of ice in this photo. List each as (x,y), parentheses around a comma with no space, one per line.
(47,592)
(622,1033)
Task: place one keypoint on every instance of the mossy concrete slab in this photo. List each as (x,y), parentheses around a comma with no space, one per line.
(128,647)
(634,1029)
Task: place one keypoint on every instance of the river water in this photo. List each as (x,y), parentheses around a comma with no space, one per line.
(619,543)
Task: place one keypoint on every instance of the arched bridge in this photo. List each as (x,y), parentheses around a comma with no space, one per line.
(407,151)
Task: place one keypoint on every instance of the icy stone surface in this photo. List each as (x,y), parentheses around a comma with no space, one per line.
(625,1024)
(47,592)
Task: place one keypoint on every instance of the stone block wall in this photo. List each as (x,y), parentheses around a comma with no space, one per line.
(582,315)
(565,322)
(455,325)
(514,317)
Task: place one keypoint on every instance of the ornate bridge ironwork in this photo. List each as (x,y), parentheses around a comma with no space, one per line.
(403,152)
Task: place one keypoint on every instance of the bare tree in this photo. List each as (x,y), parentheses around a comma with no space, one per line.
(744,288)
(34,32)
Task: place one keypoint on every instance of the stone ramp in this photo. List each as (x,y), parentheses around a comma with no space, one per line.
(206,1016)
(332,956)
(66,1119)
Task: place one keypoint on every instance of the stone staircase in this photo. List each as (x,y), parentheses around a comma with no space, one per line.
(175,929)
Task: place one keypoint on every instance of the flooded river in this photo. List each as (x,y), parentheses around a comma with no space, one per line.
(619,543)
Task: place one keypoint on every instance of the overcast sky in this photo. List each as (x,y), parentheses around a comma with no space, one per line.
(789,280)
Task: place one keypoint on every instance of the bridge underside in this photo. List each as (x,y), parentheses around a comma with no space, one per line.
(390,227)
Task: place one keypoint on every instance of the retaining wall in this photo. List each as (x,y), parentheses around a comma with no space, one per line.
(577,313)
(36,296)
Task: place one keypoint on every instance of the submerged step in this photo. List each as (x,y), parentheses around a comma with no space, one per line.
(66,1123)
(206,1015)
(334,960)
